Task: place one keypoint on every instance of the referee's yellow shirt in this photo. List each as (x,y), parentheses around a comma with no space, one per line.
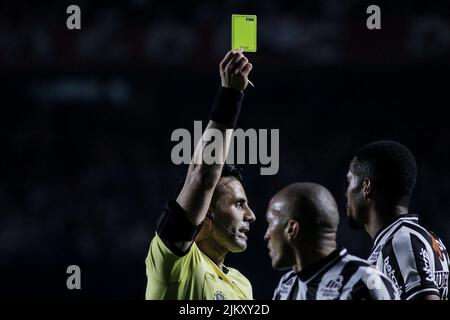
(193,276)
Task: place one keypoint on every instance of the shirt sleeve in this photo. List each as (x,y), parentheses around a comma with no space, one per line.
(409,264)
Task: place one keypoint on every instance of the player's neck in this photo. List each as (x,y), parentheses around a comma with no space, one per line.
(381,217)
(214,251)
(315,251)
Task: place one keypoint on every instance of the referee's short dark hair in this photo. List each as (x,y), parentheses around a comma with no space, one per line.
(390,166)
(231,170)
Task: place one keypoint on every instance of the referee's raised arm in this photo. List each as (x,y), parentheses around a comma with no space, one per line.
(201,179)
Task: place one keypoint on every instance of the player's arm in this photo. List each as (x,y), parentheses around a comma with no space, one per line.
(183,217)
(412,259)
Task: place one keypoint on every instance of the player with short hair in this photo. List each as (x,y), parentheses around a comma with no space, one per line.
(301,235)
(210,216)
(381,179)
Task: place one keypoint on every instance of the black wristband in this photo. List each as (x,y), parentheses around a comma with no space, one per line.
(227,107)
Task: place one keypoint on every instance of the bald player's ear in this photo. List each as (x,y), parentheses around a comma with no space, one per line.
(367,188)
(292,229)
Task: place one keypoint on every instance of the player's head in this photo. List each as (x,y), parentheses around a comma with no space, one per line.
(299,215)
(382,174)
(229,215)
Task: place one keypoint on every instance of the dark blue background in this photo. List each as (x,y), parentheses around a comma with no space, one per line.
(87,118)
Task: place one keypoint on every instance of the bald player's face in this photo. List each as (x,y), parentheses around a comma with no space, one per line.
(276,237)
(232,216)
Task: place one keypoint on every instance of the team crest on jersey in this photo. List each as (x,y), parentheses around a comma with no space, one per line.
(436,247)
(330,288)
(219,295)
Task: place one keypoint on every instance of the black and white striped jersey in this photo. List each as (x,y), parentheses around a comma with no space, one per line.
(412,257)
(339,276)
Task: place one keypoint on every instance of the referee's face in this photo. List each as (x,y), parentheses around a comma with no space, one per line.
(232,216)
(279,249)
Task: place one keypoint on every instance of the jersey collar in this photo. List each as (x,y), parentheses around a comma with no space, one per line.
(311,271)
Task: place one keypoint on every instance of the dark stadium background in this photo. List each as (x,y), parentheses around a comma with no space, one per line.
(86,119)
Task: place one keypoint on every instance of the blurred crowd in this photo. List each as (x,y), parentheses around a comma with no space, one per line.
(135,32)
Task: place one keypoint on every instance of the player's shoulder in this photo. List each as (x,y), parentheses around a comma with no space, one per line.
(362,269)
(355,266)
(366,272)
(353,263)
(365,269)
(408,235)
(351,259)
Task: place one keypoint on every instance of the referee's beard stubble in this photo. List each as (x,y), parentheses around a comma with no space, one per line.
(235,235)
(239,239)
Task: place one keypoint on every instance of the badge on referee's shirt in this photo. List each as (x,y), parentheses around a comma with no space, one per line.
(218,295)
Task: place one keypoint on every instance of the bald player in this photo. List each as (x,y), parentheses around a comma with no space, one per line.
(210,216)
(302,223)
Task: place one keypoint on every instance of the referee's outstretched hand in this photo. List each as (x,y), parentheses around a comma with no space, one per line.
(234,70)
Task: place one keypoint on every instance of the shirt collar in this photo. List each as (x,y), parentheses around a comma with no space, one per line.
(323,264)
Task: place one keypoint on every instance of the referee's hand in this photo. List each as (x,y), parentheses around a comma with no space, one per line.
(234,70)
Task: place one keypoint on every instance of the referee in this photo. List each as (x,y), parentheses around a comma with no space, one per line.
(302,223)
(210,216)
